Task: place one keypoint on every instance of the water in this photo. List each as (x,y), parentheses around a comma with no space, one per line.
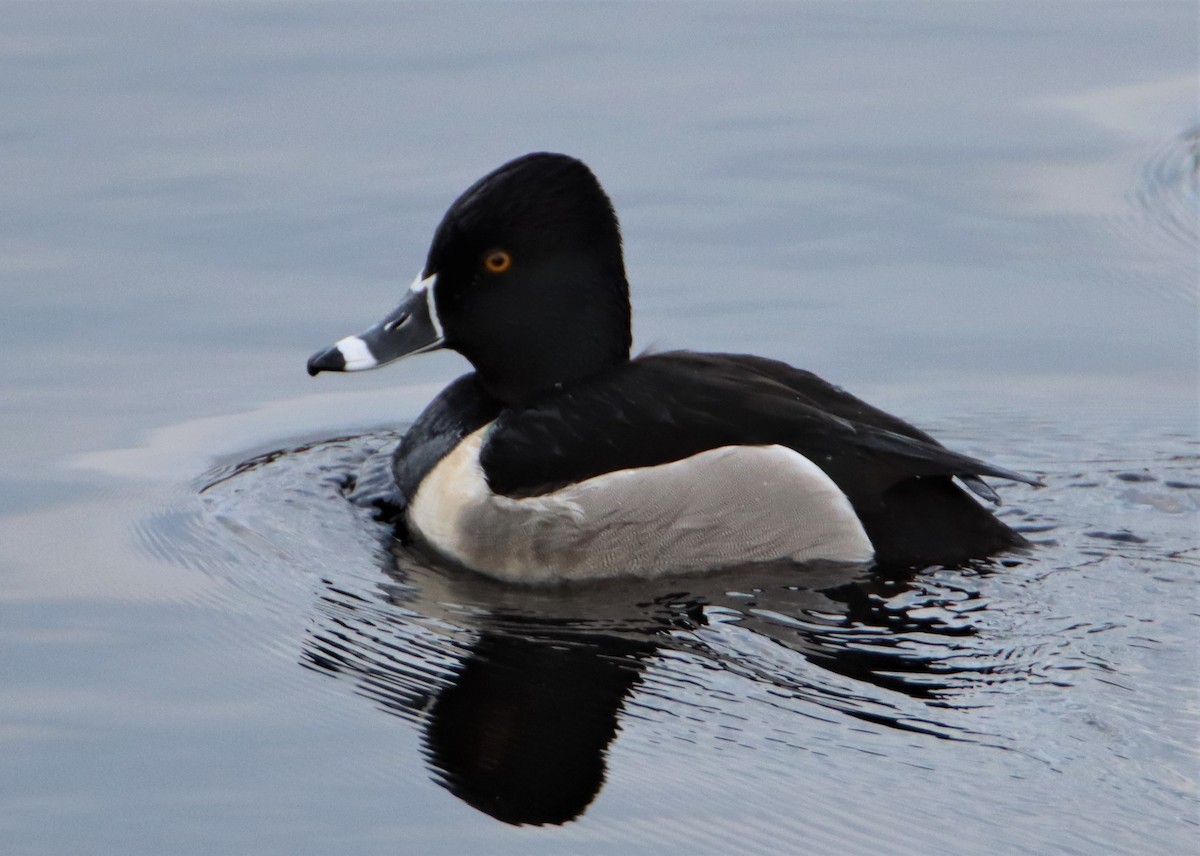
(981,216)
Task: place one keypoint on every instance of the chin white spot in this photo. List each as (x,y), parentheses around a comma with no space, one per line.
(356,354)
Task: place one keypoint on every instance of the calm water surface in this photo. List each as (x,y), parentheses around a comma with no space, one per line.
(980,216)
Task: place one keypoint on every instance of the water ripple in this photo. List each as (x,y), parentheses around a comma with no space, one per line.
(1165,212)
(520,694)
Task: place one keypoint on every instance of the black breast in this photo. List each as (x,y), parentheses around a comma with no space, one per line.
(459,409)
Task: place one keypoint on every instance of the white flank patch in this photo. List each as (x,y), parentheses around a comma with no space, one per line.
(724,507)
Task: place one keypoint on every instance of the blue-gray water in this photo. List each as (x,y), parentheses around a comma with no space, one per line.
(979,216)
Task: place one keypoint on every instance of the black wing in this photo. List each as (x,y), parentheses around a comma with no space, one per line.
(821,393)
(667,407)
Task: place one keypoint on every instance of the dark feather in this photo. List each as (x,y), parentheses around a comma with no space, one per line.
(458,410)
(667,407)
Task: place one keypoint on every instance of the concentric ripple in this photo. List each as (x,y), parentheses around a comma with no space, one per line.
(521,694)
(1165,213)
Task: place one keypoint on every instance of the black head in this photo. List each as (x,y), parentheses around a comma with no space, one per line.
(524,278)
(531,285)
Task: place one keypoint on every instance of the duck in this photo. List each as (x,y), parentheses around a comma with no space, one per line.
(563,457)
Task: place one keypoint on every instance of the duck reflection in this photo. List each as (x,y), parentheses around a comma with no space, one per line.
(519,692)
(522,732)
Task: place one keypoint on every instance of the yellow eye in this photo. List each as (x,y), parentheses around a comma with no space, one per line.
(497,261)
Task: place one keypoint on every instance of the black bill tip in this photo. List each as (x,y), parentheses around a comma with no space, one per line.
(329,360)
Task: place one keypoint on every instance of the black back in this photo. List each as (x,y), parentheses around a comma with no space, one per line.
(667,407)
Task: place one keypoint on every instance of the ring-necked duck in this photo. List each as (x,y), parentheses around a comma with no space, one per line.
(560,457)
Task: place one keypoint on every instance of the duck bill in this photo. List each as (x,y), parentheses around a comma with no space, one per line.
(411,328)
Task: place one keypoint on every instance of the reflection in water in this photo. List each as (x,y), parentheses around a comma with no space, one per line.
(522,732)
(519,692)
